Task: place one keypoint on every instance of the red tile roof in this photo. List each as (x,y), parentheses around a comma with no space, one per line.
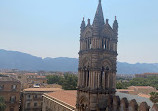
(41,89)
(43,77)
(8,79)
(67,97)
(144,95)
(128,90)
(142,87)
(30,74)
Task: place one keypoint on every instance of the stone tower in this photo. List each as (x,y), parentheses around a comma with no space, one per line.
(97,63)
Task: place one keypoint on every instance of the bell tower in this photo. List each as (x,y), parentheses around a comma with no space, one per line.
(97,63)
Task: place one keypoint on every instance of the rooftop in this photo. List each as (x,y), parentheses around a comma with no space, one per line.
(41,77)
(67,97)
(41,89)
(136,97)
(144,95)
(7,79)
(143,87)
(30,74)
(119,90)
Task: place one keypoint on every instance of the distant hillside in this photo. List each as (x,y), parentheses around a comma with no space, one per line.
(23,61)
(60,64)
(126,68)
(18,60)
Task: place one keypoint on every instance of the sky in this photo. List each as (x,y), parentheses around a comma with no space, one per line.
(51,28)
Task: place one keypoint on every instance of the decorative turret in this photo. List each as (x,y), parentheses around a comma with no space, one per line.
(98,22)
(115,26)
(89,23)
(107,22)
(83,25)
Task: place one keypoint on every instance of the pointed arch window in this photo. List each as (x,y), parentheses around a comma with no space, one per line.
(90,44)
(105,45)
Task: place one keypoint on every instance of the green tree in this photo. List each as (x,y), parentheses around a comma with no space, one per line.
(70,82)
(54,79)
(150,81)
(121,85)
(2,104)
(154,97)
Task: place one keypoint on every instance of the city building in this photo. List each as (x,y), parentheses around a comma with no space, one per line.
(10,90)
(37,81)
(30,80)
(146,75)
(60,101)
(142,91)
(32,98)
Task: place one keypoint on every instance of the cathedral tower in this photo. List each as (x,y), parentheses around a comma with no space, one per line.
(97,63)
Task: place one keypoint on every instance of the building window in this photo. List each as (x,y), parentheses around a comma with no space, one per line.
(28,96)
(35,104)
(1,87)
(28,105)
(19,77)
(35,96)
(11,109)
(13,87)
(12,99)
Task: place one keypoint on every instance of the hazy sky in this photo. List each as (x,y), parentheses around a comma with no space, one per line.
(51,28)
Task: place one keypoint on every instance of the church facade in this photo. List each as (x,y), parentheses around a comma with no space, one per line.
(97,63)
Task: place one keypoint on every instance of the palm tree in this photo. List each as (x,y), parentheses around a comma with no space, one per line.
(154,97)
(2,104)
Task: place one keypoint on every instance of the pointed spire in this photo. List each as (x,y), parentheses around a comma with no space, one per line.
(115,25)
(83,25)
(98,22)
(89,23)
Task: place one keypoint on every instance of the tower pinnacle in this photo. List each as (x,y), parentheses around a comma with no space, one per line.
(82,25)
(98,22)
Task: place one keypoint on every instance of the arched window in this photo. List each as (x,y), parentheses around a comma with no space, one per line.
(87,77)
(90,45)
(102,43)
(105,45)
(101,77)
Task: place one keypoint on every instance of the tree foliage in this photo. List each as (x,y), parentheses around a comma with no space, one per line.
(154,97)
(2,104)
(121,85)
(68,81)
(54,79)
(150,81)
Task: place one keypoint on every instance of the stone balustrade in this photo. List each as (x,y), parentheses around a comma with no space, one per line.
(117,104)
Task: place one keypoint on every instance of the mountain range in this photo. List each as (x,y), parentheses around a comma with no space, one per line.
(27,62)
